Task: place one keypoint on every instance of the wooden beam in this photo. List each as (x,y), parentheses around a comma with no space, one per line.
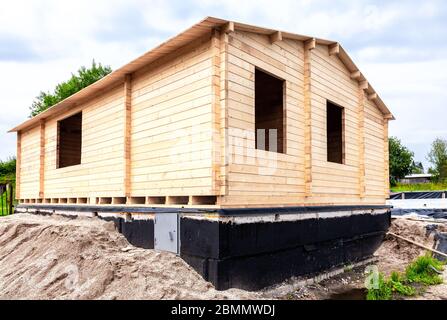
(224,117)
(307,87)
(361,141)
(372,96)
(364,85)
(228,27)
(310,44)
(127,135)
(42,160)
(277,36)
(215,111)
(334,49)
(386,159)
(18,163)
(356,75)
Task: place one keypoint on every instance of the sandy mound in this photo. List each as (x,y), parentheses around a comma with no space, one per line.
(393,255)
(396,254)
(59,258)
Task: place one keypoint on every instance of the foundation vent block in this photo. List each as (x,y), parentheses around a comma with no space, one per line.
(178,200)
(136,200)
(204,200)
(82,200)
(119,200)
(156,200)
(105,200)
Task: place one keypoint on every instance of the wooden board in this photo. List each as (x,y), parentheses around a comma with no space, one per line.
(185,126)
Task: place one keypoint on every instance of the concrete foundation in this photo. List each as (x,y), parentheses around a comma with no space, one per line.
(253,248)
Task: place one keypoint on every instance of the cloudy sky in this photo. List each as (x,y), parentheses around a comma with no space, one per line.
(401,46)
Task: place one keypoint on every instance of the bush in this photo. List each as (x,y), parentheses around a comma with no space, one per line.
(383,292)
(425,270)
(397,285)
(7,169)
(431,186)
(83,78)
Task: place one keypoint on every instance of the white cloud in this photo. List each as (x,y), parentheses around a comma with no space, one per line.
(319,18)
(416,94)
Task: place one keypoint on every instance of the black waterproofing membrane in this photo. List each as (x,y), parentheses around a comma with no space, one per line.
(417,195)
(429,213)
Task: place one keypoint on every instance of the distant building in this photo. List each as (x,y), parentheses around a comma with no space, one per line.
(416,178)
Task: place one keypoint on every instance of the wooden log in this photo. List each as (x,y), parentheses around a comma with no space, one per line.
(224,102)
(215,112)
(386,159)
(42,160)
(308,47)
(356,75)
(361,141)
(372,96)
(275,37)
(310,44)
(228,27)
(334,49)
(127,134)
(364,85)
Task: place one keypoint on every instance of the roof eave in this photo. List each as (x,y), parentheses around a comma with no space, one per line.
(169,46)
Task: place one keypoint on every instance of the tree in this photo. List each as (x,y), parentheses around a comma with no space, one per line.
(438,158)
(401,160)
(8,170)
(83,78)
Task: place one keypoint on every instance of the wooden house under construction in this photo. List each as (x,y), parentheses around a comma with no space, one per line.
(225,120)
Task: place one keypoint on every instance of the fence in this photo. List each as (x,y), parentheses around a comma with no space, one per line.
(6,199)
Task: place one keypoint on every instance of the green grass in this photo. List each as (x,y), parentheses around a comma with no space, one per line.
(382,292)
(397,282)
(432,186)
(419,272)
(387,289)
(424,270)
(5,210)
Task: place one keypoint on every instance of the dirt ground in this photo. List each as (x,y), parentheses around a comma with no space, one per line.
(393,255)
(52,257)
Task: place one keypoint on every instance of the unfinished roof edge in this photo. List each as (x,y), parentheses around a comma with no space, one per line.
(200,29)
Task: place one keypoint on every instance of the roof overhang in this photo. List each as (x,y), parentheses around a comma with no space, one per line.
(198,30)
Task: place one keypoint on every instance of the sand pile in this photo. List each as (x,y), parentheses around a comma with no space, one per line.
(59,258)
(396,254)
(393,255)
(53,257)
